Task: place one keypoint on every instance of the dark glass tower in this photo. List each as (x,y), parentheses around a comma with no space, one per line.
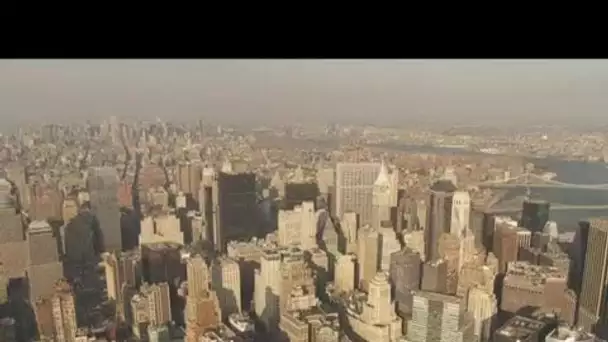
(535,215)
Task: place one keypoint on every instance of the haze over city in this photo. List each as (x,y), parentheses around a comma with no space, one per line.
(394,92)
(303,201)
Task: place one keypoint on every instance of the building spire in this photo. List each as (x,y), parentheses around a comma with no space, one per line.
(383,176)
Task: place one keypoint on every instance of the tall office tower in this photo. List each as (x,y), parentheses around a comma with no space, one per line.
(449,250)
(415,241)
(46,202)
(296,275)
(277,186)
(151,306)
(476,224)
(405,276)
(368,256)
(434,276)
(344,273)
(69,209)
(375,318)
(382,196)
(189,177)
(349,228)
(44,268)
(439,216)
(18,176)
(298,227)
(197,225)
(197,274)
(7,330)
(326,178)
(535,215)
(226,282)
(161,228)
(389,244)
(12,240)
(3,285)
(45,322)
(161,262)
(64,312)
(202,314)
(505,246)
(438,317)
(81,240)
(483,307)
(592,303)
(314,325)
(296,193)
(125,194)
(532,286)
(479,274)
(321,263)
(114,130)
(354,189)
(461,213)
(121,269)
(578,254)
(234,208)
(102,183)
(267,289)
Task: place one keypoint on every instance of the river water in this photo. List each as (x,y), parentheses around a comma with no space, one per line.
(574,172)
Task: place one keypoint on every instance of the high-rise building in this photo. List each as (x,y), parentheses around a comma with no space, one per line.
(226,282)
(64,312)
(46,200)
(102,183)
(535,215)
(297,290)
(202,314)
(434,276)
(505,246)
(405,276)
(151,306)
(532,286)
(161,262)
(368,255)
(297,193)
(297,227)
(593,299)
(578,254)
(189,176)
(7,330)
(161,228)
(344,273)
(354,189)
(43,266)
(439,216)
(197,273)
(382,196)
(158,333)
(234,208)
(449,250)
(267,289)
(389,244)
(121,269)
(438,317)
(483,308)
(349,227)
(13,248)
(373,318)
(461,213)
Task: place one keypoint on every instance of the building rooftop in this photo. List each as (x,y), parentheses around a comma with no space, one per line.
(521,273)
(569,335)
(520,327)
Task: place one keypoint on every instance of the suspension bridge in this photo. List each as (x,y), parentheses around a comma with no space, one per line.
(529,181)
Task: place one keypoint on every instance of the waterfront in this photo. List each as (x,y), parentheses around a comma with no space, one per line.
(568,171)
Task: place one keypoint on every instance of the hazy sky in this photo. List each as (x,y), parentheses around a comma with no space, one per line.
(382,91)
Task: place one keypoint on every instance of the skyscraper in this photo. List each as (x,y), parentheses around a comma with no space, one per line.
(44,268)
(197,274)
(102,183)
(382,196)
(226,282)
(535,215)
(438,317)
(354,189)
(405,275)
(439,216)
(64,312)
(592,303)
(368,255)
